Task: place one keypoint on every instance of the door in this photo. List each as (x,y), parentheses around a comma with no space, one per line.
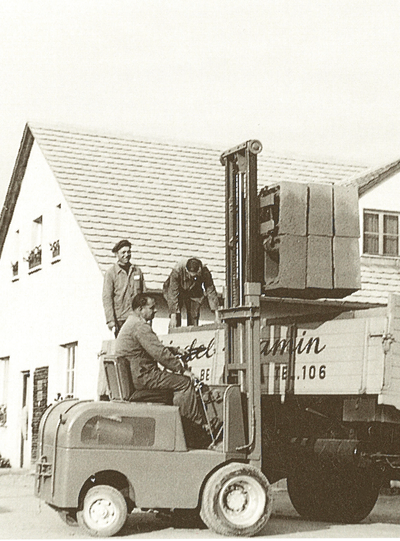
(39,404)
(24,420)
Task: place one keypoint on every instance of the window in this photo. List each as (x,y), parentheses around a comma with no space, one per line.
(14,262)
(55,245)
(119,431)
(35,255)
(4,366)
(70,350)
(381,233)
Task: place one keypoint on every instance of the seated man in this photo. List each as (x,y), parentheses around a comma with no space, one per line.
(188,284)
(138,343)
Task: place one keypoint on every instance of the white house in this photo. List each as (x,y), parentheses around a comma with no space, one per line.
(72,195)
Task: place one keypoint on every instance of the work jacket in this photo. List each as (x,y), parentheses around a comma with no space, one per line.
(118,291)
(180,283)
(138,343)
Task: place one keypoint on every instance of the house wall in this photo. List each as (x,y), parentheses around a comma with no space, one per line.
(383,197)
(57,304)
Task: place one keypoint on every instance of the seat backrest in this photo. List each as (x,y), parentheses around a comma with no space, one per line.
(119,377)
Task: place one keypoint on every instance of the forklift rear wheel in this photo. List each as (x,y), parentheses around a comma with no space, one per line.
(327,494)
(237,500)
(104,511)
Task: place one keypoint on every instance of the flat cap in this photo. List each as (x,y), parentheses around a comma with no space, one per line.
(120,244)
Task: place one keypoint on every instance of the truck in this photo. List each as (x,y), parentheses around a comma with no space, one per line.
(296,383)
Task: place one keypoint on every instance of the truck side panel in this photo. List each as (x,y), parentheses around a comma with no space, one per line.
(391,385)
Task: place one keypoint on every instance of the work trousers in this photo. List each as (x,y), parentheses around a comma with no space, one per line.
(192,305)
(118,326)
(185,396)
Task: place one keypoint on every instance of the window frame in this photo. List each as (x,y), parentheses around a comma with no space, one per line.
(70,368)
(381,234)
(4,373)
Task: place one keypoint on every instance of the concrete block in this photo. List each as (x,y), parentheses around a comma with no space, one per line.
(290,270)
(320,210)
(319,262)
(293,209)
(345,203)
(346,263)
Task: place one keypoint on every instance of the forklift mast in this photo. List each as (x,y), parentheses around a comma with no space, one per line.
(243,283)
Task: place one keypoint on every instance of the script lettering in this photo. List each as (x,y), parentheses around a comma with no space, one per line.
(283,345)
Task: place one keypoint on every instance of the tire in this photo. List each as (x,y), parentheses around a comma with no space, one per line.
(68,517)
(237,500)
(104,511)
(334,495)
(305,489)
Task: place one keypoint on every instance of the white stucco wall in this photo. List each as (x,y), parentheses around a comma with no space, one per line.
(384,196)
(56,305)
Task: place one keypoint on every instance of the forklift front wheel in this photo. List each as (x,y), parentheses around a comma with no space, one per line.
(237,500)
(104,511)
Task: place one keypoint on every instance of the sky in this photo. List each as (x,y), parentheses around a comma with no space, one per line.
(309,77)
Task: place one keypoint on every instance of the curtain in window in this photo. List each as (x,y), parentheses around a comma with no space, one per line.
(390,235)
(371,233)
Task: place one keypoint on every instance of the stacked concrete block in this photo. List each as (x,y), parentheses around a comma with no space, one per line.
(310,237)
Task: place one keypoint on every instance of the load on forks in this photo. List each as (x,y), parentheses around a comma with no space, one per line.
(297,383)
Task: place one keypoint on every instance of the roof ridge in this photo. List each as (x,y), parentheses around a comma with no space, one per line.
(373,175)
(125,136)
(171,142)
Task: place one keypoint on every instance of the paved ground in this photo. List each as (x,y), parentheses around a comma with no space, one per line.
(22,516)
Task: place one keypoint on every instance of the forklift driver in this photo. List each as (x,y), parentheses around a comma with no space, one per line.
(138,343)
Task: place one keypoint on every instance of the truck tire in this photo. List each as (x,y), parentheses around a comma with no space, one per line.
(333,495)
(236,501)
(104,511)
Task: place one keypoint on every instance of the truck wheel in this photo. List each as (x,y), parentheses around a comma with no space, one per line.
(237,500)
(334,495)
(305,489)
(104,511)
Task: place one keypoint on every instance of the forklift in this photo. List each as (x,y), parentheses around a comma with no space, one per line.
(100,460)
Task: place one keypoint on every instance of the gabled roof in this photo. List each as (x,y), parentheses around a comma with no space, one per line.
(369,179)
(168,199)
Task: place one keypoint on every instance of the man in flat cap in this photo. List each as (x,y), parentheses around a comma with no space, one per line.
(122,282)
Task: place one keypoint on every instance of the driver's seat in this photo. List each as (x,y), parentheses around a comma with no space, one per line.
(120,384)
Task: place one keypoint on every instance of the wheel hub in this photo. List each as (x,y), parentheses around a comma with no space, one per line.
(236,499)
(102,512)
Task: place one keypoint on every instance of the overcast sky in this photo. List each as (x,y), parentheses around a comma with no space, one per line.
(315,77)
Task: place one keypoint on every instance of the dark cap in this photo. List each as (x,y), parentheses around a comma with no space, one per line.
(120,245)
(193,264)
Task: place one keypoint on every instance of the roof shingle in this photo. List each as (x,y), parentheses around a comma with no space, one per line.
(167,199)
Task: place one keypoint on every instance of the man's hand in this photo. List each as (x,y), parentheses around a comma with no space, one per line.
(175,350)
(217,317)
(111,326)
(189,374)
